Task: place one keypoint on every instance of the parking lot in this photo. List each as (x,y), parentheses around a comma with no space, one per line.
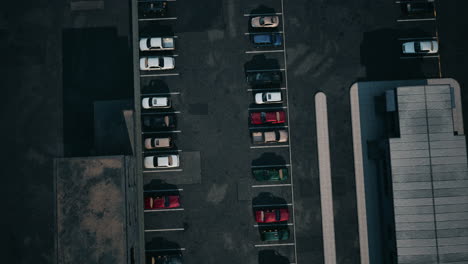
(324,48)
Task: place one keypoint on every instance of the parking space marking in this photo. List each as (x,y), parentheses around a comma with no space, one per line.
(417,38)
(265,89)
(161,113)
(159,75)
(166,190)
(416,19)
(264,51)
(161,132)
(266,14)
(271,185)
(252,128)
(157,19)
(275,245)
(173,93)
(419,57)
(257,33)
(289,134)
(162,210)
(274,224)
(272,205)
(267,108)
(161,170)
(164,230)
(165,249)
(161,151)
(271,146)
(270,166)
(266,70)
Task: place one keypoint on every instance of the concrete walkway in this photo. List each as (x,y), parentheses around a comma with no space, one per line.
(326,200)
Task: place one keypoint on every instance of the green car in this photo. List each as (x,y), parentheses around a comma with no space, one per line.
(271,174)
(275,235)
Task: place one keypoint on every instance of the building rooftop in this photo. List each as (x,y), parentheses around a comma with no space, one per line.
(429,178)
(94,222)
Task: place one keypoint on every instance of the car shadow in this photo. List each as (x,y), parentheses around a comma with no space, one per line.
(154,86)
(159,187)
(271,257)
(269,158)
(160,246)
(260,62)
(265,199)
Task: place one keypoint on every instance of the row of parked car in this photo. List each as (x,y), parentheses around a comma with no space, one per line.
(271,220)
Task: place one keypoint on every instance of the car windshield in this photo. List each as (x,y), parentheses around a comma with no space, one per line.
(265,97)
(166,201)
(161,62)
(261,21)
(278,215)
(148,43)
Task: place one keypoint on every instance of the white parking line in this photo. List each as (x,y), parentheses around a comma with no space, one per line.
(274,224)
(160,170)
(263,51)
(165,249)
(257,33)
(267,70)
(166,190)
(160,151)
(289,134)
(161,113)
(270,166)
(271,146)
(265,89)
(159,75)
(157,19)
(271,185)
(272,205)
(267,108)
(161,132)
(419,57)
(149,94)
(165,230)
(266,14)
(417,38)
(275,245)
(416,19)
(253,128)
(162,210)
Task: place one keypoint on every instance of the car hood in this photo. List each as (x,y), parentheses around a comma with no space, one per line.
(143,45)
(149,162)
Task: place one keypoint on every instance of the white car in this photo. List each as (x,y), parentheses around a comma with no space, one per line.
(155,102)
(155,44)
(264,21)
(156,162)
(420,47)
(268,98)
(157,143)
(157,63)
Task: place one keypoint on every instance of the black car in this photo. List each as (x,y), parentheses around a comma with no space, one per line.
(264,78)
(152,8)
(417,8)
(159,121)
(164,259)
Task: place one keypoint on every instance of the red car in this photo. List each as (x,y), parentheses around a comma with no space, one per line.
(162,202)
(271,215)
(275,117)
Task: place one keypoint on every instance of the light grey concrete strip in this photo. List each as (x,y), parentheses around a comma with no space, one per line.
(359,174)
(326,196)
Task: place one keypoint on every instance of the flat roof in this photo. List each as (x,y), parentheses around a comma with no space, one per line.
(429,178)
(91,209)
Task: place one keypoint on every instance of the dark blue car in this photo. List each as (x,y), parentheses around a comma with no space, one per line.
(267,40)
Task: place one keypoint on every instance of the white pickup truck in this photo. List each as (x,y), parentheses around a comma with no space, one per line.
(157,162)
(155,44)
